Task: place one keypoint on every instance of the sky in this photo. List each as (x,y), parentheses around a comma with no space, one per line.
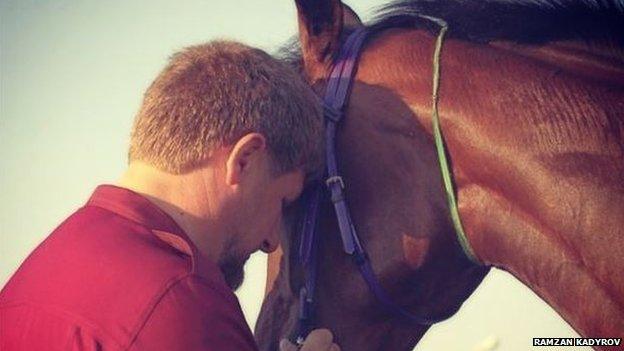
(72,75)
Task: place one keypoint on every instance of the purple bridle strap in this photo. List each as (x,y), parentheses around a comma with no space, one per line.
(336,95)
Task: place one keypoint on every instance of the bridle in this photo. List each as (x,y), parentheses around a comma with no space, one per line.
(334,101)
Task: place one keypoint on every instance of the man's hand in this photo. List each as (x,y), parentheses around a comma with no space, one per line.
(317,340)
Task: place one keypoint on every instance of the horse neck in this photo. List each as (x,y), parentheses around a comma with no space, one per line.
(535,139)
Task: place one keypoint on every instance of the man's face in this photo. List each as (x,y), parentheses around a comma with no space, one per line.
(257,216)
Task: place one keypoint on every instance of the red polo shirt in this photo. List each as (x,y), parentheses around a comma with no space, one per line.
(119,274)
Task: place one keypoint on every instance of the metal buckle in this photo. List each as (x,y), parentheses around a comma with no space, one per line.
(335,179)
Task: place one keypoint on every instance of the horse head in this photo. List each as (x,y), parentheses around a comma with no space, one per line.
(394,190)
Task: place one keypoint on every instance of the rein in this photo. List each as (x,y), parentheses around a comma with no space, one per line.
(334,101)
(439,142)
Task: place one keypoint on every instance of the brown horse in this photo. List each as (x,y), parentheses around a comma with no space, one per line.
(532,111)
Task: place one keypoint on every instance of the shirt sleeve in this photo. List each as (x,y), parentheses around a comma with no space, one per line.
(193,316)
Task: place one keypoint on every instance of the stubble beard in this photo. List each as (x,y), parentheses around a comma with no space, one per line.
(232,266)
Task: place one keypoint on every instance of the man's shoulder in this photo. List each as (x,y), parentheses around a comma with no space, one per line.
(99,267)
(99,248)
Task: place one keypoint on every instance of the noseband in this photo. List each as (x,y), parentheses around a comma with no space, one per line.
(334,101)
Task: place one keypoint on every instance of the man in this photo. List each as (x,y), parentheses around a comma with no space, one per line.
(224,139)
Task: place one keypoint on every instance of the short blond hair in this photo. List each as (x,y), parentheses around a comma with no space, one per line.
(212,94)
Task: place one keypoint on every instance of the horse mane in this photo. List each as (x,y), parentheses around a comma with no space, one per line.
(521,21)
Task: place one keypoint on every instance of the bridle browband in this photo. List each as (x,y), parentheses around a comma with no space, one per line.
(334,101)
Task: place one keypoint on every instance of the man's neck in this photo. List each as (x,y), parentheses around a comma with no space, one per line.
(184,197)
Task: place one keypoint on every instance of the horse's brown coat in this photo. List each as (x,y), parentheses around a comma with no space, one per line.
(535,138)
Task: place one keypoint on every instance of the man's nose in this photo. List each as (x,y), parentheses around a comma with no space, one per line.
(269,246)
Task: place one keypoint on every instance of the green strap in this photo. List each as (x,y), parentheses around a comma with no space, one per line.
(439,141)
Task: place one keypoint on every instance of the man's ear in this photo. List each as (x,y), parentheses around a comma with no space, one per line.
(245,152)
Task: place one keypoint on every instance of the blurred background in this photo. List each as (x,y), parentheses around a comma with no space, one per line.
(72,74)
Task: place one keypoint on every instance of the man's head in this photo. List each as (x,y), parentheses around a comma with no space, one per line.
(243,123)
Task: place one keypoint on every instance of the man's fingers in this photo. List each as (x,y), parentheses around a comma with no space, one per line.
(318,339)
(286,345)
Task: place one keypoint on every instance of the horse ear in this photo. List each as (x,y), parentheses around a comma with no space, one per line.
(350,18)
(320,25)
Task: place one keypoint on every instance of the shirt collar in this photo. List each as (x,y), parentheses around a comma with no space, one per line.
(137,208)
